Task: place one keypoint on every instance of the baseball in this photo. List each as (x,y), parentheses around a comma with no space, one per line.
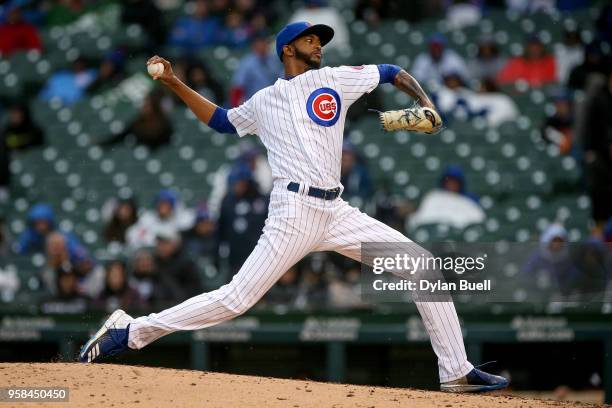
(155,69)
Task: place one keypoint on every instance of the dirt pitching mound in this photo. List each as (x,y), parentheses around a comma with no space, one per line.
(110,385)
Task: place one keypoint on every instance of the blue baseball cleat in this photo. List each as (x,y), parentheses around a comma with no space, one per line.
(112,338)
(475,381)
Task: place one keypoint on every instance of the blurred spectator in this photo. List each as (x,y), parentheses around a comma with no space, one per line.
(67,287)
(41,222)
(318,12)
(259,14)
(498,106)
(287,291)
(558,127)
(69,85)
(488,62)
(235,32)
(451,204)
(456,101)
(595,62)
(355,178)
(144,279)
(20,131)
(65,298)
(197,30)
(550,267)
(9,283)
(531,6)
(177,273)
(453,180)
(117,293)
(392,209)
(592,259)
(463,13)
(151,128)
(5,239)
(343,286)
(597,144)
(199,78)
(89,273)
(64,12)
(315,288)
(169,213)
(65,258)
(16,34)
(535,66)
(256,161)
(63,254)
(110,73)
(201,239)
(58,255)
(145,14)
(374,11)
(243,213)
(218,8)
(437,61)
(124,215)
(258,69)
(604,24)
(568,54)
(32,11)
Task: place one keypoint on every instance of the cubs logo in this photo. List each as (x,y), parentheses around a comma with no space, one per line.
(323,106)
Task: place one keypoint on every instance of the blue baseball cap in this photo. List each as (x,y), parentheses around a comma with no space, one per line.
(293,31)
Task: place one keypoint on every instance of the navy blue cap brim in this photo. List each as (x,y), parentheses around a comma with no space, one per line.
(324,32)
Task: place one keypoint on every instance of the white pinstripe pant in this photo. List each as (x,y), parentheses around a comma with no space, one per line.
(297,225)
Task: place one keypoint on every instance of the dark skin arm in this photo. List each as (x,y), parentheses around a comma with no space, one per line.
(406,83)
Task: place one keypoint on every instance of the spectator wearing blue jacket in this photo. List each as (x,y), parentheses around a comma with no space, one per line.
(41,223)
(258,69)
(197,30)
(453,180)
(69,85)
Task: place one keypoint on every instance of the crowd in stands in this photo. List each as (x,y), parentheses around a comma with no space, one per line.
(168,250)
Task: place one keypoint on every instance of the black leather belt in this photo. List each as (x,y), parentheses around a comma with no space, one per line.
(316,192)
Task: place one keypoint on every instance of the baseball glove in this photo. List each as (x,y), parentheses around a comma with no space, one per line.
(415,119)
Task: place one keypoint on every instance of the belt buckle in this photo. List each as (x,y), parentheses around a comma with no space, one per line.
(331,193)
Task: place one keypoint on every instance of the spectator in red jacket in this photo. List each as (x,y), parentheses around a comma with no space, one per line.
(536,66)
(16,34)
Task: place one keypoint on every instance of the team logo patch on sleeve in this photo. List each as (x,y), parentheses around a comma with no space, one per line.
(323,106)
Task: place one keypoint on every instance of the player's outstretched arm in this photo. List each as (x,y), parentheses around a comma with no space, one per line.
(200,106)
(406,83)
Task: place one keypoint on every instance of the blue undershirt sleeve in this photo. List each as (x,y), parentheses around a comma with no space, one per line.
(220,122)
(387,73)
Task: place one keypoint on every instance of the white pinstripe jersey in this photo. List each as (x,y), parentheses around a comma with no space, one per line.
(301,121)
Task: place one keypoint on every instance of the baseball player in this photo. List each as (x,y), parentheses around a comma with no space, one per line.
(300,120)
